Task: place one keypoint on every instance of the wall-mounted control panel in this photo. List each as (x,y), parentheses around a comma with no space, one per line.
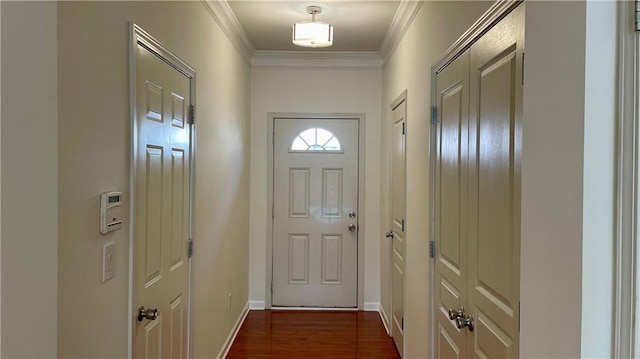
(110,211)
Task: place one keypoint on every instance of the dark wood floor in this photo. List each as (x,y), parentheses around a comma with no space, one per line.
(312,334)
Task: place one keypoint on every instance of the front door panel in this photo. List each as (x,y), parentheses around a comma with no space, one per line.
(315,202)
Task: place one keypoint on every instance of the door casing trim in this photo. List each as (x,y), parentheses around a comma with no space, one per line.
(626,236)
(361,118)
(138,36)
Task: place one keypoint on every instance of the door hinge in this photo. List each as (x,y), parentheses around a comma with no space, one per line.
(403,128)
(402,225)
(432,249)
(402,323)
(273,211)
(637,15)
(272,286)
(518,317)
(192,114)
(434,113)
(523,68)
(190,248)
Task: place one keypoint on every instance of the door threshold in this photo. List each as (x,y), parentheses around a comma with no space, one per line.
(315,308)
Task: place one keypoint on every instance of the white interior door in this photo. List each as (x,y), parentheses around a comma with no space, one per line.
(495,153)
(161,205)
(397,234)
(477,197)
(451,275)
(315,231)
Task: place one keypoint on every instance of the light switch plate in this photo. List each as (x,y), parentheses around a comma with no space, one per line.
(108,261)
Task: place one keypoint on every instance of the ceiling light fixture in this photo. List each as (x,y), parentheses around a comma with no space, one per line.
(313,33)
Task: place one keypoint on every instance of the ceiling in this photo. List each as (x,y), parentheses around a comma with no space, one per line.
(358,25)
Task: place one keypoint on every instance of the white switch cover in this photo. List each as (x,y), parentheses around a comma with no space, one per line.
(108,261)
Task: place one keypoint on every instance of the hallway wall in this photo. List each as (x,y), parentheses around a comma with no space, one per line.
(314,91)
(29,180)
(568,164)
(94,156)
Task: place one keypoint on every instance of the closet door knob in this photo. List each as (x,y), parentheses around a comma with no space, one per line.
(151,314)
(465,322)
(454,314)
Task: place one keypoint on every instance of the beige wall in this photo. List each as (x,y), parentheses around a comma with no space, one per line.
(567,179)
(29,180)
(332,91)
(435,28)
(94,156)
(552,179)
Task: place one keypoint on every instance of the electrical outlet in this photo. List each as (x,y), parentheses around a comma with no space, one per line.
(108,261)
(229,304)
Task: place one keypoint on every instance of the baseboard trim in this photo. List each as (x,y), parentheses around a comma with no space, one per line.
(385,319)
(315,308)
(371,306)
(232,336)
(257,305)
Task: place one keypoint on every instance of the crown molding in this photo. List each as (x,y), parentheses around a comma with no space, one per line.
(223,15)
(405,14)
(221,12)
(316,60)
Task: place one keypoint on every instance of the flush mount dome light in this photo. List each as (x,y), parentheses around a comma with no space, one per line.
(313,33)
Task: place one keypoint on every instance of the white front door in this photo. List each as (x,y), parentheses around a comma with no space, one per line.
(477,202)
(397,234)
(315,226)
(161,208)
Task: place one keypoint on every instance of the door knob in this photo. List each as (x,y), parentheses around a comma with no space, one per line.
(389,234)
(465,322)
(151,314)
(352,227)
(455,314)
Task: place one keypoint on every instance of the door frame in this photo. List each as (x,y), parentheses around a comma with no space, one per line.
(361,118)
(490,18)
(627,183)
(138,36)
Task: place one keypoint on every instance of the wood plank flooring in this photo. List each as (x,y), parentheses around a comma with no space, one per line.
(312,334)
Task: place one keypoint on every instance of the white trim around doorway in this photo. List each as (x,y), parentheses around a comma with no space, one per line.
(360,117)
(626,268)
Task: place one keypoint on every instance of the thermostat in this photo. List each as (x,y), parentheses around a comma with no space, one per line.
(110,211)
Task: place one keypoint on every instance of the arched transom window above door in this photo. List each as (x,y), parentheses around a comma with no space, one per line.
(316,140)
